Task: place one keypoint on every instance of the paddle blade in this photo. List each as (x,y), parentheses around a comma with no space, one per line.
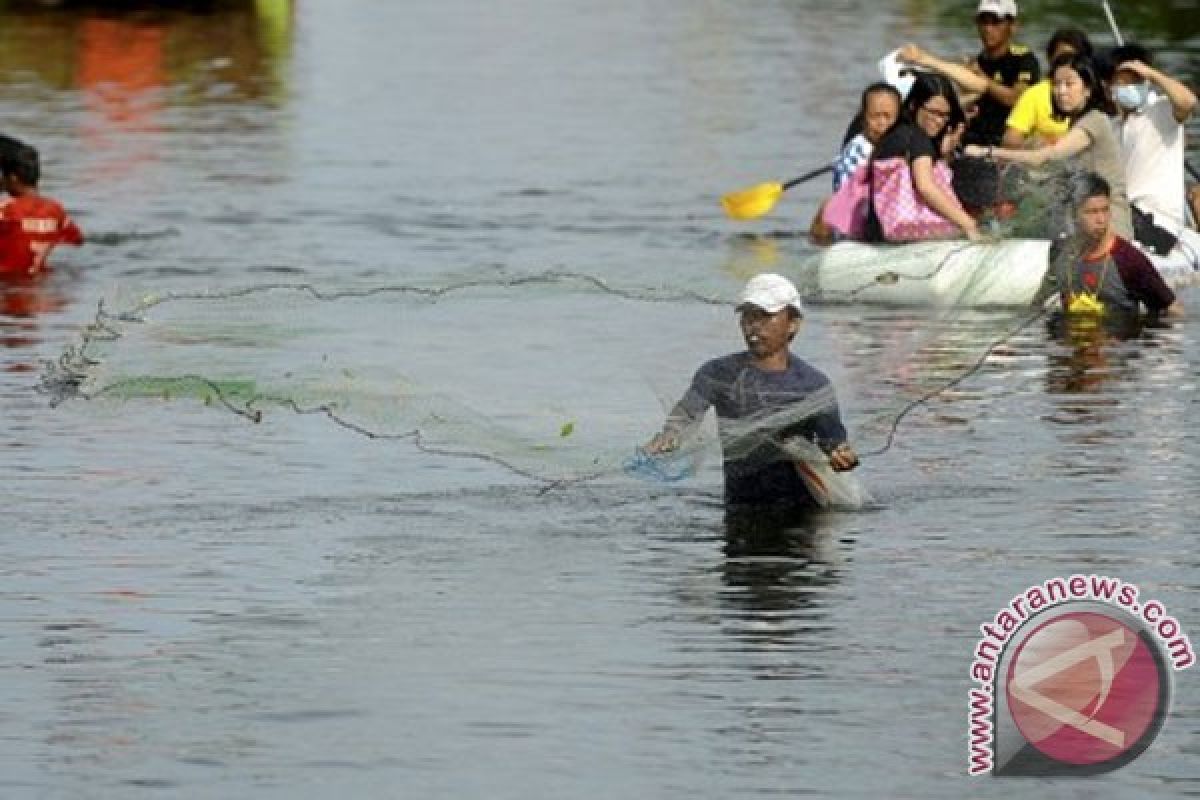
(753,202)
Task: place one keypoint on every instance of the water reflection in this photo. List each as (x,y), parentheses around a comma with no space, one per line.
(140,46)
(1088,354)
(22,301)
(133,63)
(120,67)
(776,574)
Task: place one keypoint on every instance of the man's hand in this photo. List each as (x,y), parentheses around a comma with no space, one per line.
(912,54)
(1143,71)
(819,233)
(843,458)
(664,442)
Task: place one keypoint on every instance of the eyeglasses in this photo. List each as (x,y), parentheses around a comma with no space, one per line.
(937,113)
(988,18)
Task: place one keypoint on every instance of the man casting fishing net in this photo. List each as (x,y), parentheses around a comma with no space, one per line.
(777,416)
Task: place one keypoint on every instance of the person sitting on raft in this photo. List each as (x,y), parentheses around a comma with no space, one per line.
(1033,121)
(1096,271)
(1152,109)
(1080,98)
(878,113)
(763,396)
(911,194)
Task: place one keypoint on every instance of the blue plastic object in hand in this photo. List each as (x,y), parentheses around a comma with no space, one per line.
(663,468)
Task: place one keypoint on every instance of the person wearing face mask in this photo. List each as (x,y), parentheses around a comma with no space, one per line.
(1089,145)
(1152,108)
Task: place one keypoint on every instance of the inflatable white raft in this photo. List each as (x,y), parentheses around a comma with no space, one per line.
(957,274)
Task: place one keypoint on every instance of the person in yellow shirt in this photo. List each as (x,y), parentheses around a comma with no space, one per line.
(1032,117)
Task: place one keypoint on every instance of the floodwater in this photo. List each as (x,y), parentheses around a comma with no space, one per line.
(197,605)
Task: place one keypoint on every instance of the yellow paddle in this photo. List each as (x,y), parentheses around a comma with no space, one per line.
(758,200)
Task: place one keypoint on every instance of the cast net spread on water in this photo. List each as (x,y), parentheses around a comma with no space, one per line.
(458,369)
(557,377)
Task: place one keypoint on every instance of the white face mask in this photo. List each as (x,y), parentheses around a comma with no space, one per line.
(1131,96)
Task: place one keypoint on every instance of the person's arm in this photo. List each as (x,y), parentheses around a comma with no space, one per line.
(70,234)
(935,198)
(831,437)
(1021,122)
(852,156)
(686,414)
(1008,95)
(819,232)
(1183,99)
(952,138)
(1194,202)
(971,83)
(678,423)
(1074,143)
(829,434)
(1014,138)
(1143,281)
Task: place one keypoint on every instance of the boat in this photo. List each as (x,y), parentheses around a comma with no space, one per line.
(955,274)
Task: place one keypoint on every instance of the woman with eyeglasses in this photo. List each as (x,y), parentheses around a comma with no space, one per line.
(912,198)
(1089,144)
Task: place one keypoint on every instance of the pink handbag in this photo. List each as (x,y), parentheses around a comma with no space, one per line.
(846,212)
(903,215)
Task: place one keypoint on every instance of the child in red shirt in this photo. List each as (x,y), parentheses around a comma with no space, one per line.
(30,224)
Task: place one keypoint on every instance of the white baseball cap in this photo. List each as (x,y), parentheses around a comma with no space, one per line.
(1001,8)
(772,293)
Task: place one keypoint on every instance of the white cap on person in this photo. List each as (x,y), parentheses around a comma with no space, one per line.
(772,293)
(1001,8)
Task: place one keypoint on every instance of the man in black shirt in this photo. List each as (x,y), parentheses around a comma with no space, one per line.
(1009,69)
(993,79)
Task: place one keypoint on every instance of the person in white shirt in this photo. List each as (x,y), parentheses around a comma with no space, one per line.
(1152,108)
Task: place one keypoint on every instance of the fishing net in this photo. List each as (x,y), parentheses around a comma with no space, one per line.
(529,373)
(456,369)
